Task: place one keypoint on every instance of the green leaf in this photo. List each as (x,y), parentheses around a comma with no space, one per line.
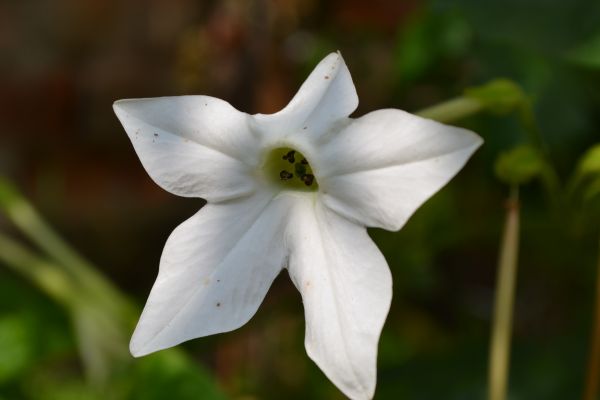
(589,163)
(7,192)
(592,191)
(426,40)
(16,347)
(54,382)
(170,374)
(519,165)
(587,54)
(499,96)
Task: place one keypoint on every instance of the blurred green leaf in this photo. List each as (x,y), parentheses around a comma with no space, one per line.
(169,374)
(592,190)
(589,163)
(587,54)
(415,51)
(519,165)
(499,96)
(57,384)
(7,192)
(426,40)
(101,315)
(16,346)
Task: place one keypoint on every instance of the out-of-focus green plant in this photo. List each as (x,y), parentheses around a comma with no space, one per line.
(500,96)
(17,352)
(515,167)
(586,177)
(101,317)
(587,54)
(519,165)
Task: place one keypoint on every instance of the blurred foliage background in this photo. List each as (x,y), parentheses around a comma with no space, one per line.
(63,63)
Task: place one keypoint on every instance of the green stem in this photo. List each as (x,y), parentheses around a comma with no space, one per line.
(549,176)
(31,223)
(504,302)
(46,275)
(593,371)
(101,337)
(101,328)
(452,110)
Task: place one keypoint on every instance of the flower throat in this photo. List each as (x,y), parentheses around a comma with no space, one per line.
(289,169)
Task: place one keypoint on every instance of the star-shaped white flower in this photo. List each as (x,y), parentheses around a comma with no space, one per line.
(296,190)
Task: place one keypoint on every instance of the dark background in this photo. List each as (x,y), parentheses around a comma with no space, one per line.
(63,63)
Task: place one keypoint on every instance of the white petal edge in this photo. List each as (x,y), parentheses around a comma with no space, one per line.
(326,96)
(383,166)
(214,272)
(192,146)
(346,289)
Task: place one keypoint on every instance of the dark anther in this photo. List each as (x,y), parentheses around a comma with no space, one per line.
(303,161)
(290,156)
(285,175)
(308,179)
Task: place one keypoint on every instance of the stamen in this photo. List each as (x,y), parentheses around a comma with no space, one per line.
(290,170)
(290,156)
(308,179)
(285,175)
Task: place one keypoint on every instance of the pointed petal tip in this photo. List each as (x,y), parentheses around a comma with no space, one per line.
(136,350)
(139,348)
(354,392)
(136,347)
(116,106)
(477,141)
(140,344)
(119,107)
(339,54)
(121,104)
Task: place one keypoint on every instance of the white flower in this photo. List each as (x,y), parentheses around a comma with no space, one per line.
(296,190)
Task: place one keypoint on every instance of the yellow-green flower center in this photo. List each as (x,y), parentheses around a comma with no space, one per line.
(289,169)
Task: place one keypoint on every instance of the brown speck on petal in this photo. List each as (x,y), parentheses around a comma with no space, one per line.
(326,76)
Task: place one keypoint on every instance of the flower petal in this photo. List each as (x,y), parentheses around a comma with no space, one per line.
(346,289)
(214,272)
(326,96)
(192,146)
(383,166)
